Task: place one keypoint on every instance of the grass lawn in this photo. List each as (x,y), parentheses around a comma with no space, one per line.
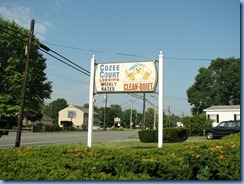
(133,142)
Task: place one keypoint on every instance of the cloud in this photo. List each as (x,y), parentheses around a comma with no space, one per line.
(22,16)
(59,3)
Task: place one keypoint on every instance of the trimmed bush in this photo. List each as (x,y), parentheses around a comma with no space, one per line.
(148,135)
(51,128)
(169,135)
(210,160)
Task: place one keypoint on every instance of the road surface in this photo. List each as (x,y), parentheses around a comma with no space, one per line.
(48,138)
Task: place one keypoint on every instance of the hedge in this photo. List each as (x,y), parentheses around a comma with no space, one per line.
(210,160)
(169,135)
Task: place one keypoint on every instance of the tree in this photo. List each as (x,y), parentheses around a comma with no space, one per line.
(196,124)
(219,84)
(111,113)
(54,107)
(149,118)
(12,63)
(126,118)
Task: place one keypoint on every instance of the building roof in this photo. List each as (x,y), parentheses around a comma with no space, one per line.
(46,118)
(223,108)
(80,108)
(83,109)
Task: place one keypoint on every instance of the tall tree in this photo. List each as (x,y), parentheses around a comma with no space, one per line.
(111,112)
(149,118)
(12,63)
(126,118)
(219,84)
(54,107)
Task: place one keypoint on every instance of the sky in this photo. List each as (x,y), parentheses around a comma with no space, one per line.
(190,33)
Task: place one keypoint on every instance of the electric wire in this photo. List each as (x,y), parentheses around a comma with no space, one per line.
(122,54)
(64,62)
(86,72)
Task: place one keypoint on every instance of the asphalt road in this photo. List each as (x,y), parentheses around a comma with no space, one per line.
(48,138)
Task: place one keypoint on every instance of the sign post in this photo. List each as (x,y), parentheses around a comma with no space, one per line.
(91,101)
(160,100)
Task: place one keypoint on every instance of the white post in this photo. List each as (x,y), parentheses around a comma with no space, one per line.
(91,100)
(160,100)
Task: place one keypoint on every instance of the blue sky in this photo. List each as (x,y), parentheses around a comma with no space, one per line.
(190,29)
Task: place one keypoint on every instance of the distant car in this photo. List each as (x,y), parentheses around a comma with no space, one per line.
(3,133)
(222,129)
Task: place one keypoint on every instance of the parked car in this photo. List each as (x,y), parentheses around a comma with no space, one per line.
(3,133)
(222,129)
(4,125)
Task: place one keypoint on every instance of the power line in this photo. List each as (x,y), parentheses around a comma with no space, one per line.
(64,62)
(121,54)
(124,54)
(45,49)
(48,49)
(98,51)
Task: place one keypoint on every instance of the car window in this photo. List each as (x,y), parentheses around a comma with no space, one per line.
(222,125)
(230,124)
(238,124)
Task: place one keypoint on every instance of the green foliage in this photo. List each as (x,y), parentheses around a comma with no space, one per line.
(169,135)
(196,124)
(126,118)
(113,128)
(111,113)
(121,128)
(51,128)
(148,135)
(211,160)
(149,118)
(219,84)
(54,107)
(12,64)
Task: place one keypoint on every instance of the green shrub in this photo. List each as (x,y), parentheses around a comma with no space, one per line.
(51,128)
(37,128)
(148,135)
(121,128)
(210,160)
(113,128)
(169,135)
(196,124)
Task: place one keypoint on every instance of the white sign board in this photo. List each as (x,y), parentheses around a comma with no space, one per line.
(139,77)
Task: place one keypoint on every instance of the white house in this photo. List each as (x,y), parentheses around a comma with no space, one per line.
(78,115)
(221,113)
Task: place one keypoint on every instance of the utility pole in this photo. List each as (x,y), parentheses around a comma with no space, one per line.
(105,108)
(143,112)
(169,116)
(23,92)
(131,114)
(154,120)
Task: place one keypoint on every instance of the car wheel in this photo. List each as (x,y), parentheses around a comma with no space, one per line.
(210,135)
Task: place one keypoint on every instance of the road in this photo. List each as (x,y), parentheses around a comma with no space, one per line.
(48,138)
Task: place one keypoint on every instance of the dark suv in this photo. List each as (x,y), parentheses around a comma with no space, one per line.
(222,129)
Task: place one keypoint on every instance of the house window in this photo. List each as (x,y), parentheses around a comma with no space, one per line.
(236,117)
(71,114)
(85,114)
(214,117)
